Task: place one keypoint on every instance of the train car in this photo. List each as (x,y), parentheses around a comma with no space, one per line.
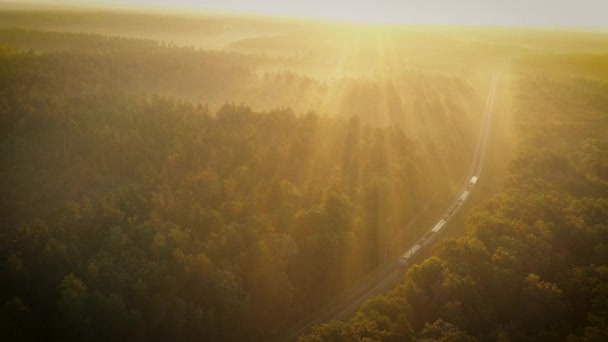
(473,180)
(464,196)
(404,260)
(438,226)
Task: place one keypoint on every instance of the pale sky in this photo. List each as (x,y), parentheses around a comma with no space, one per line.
(530,13)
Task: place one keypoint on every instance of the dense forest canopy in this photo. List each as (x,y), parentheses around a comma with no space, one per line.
(131,214)
(533,265)
(338,85)
(223,177)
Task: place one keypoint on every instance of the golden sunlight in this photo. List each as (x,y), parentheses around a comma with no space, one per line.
(228,171)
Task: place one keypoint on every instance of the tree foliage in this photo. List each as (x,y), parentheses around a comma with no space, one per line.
(132,216)
(533,265)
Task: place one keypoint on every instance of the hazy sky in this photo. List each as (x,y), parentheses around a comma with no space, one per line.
(545,13)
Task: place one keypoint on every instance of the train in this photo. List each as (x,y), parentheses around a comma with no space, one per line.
(406,258)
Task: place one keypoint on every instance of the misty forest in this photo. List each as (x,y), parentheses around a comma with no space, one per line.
(237,178)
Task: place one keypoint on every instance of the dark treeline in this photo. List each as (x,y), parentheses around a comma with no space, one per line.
(137,217)
(130,65)
(534,264)
(406,97)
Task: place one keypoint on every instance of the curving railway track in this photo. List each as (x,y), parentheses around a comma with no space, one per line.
(388,275)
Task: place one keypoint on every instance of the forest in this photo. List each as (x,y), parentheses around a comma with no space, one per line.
(130,214)
(223,178)
(532,266)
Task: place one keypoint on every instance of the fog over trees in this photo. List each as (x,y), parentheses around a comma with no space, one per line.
(224,178)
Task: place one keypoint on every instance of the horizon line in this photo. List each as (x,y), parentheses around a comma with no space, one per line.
(194,12)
